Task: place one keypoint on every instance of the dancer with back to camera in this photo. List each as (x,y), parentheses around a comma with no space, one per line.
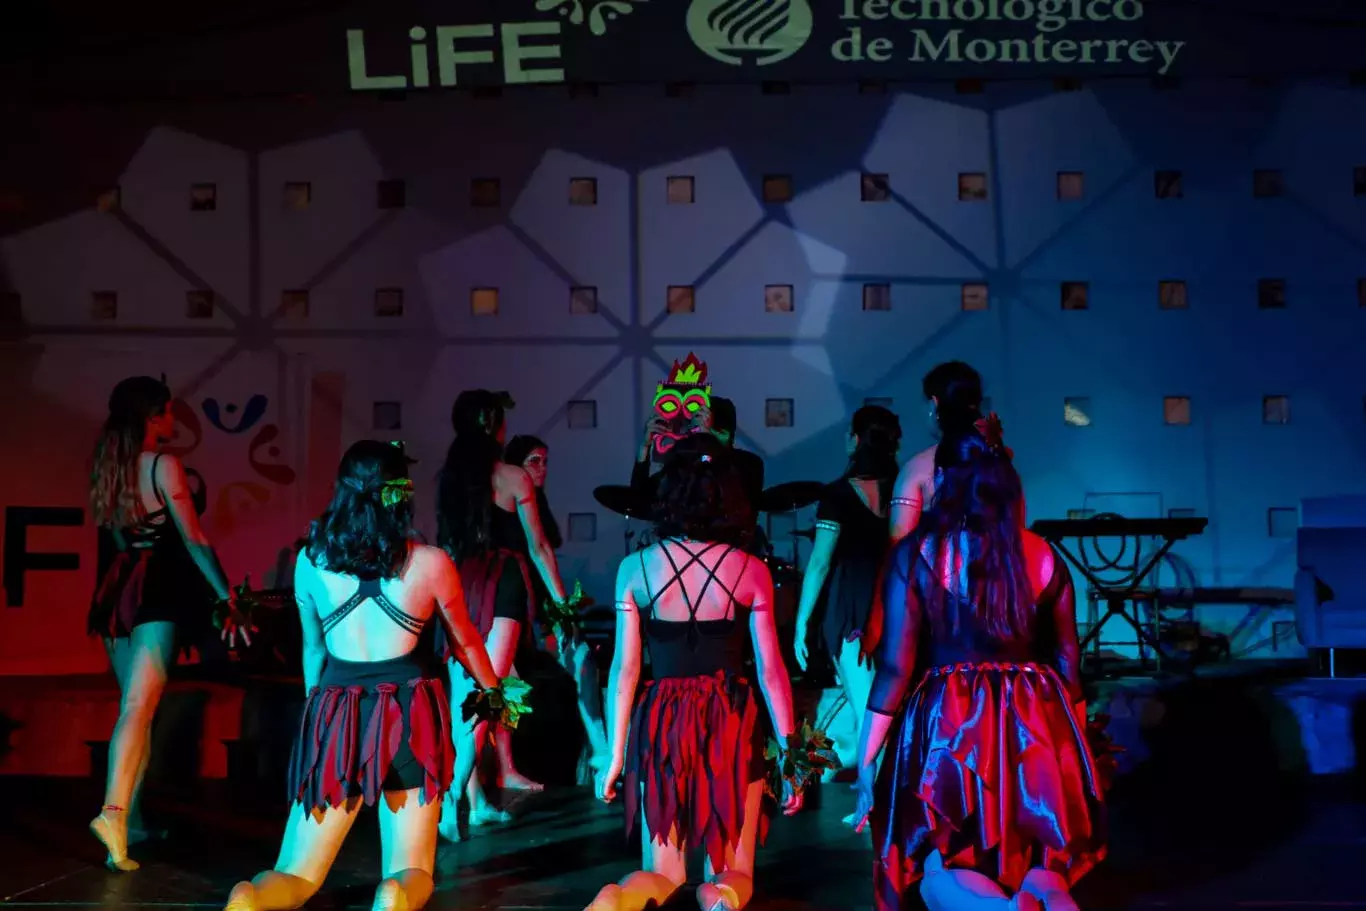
(694,764)
(532,454)
(488,520)
(376,727)
(989,786)
(157,575)
(851,544)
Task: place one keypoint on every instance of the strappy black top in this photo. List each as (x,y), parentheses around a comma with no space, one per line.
(692,647)
(369,590)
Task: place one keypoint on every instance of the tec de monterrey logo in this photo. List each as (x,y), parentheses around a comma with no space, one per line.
(753,32)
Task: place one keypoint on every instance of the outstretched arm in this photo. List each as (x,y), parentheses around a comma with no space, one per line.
(455,617)
(529,511)
(1065,622)
(768,657)
(175,490)
(896,656)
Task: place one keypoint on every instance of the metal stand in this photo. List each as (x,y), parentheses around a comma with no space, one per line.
(1122,588)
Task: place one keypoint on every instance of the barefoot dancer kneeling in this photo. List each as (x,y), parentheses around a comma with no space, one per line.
(694,764)
(376,727)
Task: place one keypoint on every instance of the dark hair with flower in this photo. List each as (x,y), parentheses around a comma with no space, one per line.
(365,530)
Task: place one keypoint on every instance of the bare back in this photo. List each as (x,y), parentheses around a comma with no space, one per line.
(389,615)
(676,581)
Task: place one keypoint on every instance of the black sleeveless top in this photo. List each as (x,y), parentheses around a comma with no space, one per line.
(506,532)
(692,647)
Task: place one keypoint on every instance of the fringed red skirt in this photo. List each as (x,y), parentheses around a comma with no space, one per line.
(695,748)
(989,767)
(370,727)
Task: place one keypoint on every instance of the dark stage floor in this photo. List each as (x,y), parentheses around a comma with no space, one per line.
(1279,847)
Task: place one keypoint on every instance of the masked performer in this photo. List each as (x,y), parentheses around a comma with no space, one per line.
(684,405)
(489,521)
(851,543)
(533,456)
(157,573)
(989,786)
(375,727)
(694,762)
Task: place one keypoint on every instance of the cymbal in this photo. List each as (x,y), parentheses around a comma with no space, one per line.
(790,496)
(622,500)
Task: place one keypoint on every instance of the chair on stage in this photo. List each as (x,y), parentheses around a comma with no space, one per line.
(1330,589)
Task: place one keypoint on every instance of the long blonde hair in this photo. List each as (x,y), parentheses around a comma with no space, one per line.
(114,500)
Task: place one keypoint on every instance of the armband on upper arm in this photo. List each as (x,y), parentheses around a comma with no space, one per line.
(828,524)
(902,501)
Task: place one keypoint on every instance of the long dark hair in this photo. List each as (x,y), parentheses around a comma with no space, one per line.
(515,453)
(701,495)
(877,434)
(464,499)
(365,530)
(977,505)
(957,388)
(114,500)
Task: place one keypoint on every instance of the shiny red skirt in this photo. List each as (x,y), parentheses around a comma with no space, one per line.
(371,727)
(988,766)
(694,750)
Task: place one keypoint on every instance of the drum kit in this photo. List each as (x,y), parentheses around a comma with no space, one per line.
(781,500)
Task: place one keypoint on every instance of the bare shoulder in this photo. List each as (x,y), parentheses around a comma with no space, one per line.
(426,559)
(168,466)
(919,469)
(753,567)
(1039,557)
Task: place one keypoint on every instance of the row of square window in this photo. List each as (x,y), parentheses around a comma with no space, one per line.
(487,192)
(583,299)
(1281,521)
(781,413)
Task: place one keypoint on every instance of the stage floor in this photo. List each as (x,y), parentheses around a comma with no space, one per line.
(1277,848)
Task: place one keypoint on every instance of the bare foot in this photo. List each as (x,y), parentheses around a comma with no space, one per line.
(241,898)
(390,897)
(516,781)
(488,815)
(108,827)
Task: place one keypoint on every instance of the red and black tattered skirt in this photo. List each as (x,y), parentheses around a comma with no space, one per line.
(694,750)
(988,766)
(498,584)
(370,727)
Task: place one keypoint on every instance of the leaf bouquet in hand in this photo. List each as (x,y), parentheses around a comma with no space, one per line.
(504,704)
(799,761)
(564,615)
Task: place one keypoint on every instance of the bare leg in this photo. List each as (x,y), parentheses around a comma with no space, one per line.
(856,679)
(407,834)
(577,659)
(120,653)
(666,870)
(150,653)
(733,887)
(508,776)
(1050,888)
(945,889)
(310,845)
(502,647)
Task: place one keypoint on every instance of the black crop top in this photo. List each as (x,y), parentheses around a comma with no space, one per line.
(1052,642)
(692,647)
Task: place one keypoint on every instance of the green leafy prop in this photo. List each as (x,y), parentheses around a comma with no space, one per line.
(247,606)
(564,615)
(800,762)
(400,490)
(504,704)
